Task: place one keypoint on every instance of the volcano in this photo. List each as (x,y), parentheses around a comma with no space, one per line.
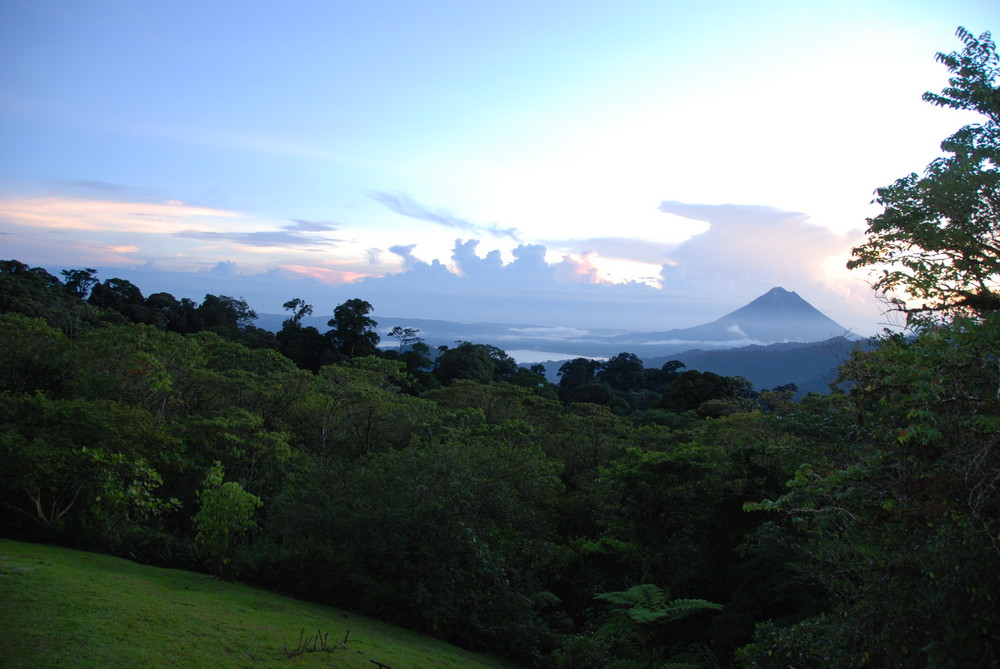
(777,316)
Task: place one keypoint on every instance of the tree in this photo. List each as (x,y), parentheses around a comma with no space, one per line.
(692,388)
(76,469)
(299,309)
(475,362)
(353,334)
(447,537)
(636,619)
(575,373)
(80,281)
(34,292)
(405,336)
(465,361)
(623,372)
(225,315)
(898,523)
(226,515)
(173,314)
(303,345)
(34,354)
(937,242)
(116,294)
(657,378)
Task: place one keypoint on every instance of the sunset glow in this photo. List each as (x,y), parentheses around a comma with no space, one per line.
(659,153)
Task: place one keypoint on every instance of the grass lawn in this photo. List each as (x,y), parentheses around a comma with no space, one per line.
(65,608)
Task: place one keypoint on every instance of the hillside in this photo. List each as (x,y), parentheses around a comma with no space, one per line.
(64,608)
(810,366)
(778,316)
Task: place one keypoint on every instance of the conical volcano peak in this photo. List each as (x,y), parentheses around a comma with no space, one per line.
(779,294)
(777,316)
(777,301)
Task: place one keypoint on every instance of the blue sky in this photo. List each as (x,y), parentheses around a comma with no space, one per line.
(644,165)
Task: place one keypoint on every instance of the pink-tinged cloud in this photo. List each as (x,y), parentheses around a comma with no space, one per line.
(333,277)
(69,213)
(578,269)
(761,247)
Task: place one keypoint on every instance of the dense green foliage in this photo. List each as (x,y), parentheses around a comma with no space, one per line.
(937,239)
(454,493)
(624,517)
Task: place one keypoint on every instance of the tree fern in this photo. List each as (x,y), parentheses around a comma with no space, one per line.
(648,604)
(638,612)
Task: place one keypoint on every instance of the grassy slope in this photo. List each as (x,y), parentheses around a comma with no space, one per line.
(64,608)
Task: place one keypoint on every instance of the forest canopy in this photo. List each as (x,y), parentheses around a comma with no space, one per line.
(622,517)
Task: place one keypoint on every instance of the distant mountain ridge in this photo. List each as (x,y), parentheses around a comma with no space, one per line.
(811,366)
(776,316)
(775,339)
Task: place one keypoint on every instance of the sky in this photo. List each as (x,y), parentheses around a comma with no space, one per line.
(627,164)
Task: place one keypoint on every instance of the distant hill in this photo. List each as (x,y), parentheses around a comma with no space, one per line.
(810,366)
(777,316)
(776,339)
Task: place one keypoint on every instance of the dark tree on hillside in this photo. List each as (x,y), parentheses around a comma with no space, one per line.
(116,294)
(475,362)
(173,314)
(655,379)
(299,309)
(26,290)
(80,281)
(303,345)
(405,336)
(504,367)
(225,315)
(623,372)
(124,297)
(597,393)
(575,373)
(32,291)
(692,388)
(465,361)
(353,332)
(233,319)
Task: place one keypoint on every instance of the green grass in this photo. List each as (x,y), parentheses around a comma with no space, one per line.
(65,608)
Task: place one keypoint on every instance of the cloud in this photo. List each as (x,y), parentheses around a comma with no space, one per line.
(552,334)
(326,275)
(72,213)
(753,248)
(743,252)
(251,143)
(406,253)
(224,267)
(310,226)
(626,248)
(406,206)
(94,186)
(763,245)
(526,290)
(263,238)
(297,234)
(562,332)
